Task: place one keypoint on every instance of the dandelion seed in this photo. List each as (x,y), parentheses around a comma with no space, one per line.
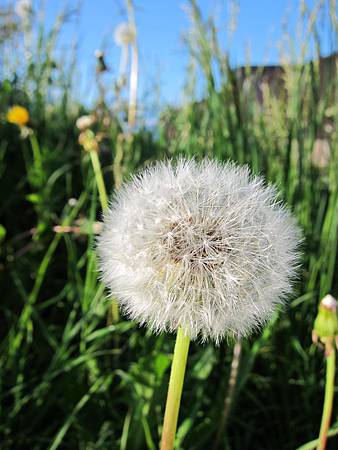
(202,246)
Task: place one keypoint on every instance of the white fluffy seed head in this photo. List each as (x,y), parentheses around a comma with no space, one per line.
(23,9)
(201,245)
(124,34)
(84,122)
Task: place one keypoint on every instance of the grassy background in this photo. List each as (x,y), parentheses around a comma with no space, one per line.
(68,379)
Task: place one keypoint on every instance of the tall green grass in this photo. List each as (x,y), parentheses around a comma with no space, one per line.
(69,380)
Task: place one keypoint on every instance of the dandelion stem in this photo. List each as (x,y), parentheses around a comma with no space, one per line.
(114,311)
(329,394)
(99,179)
(123,63)
(133,69)
(175,390)
(36,152)
(117,166)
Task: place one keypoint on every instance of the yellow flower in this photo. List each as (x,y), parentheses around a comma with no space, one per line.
(18,115)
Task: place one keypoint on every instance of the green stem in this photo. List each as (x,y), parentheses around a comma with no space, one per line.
(175,390)
(312,445)
(36,155)
(35,150)
(117,168)
(99,179)
(114,311)
(24,320)
(328,400)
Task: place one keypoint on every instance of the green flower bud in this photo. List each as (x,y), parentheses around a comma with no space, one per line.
(326,322)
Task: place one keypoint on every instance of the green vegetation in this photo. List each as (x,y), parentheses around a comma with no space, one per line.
(70,376)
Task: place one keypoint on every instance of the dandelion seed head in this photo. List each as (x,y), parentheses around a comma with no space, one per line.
(85,121)
(321,153)
(201,245)
(124,34)
(23,9)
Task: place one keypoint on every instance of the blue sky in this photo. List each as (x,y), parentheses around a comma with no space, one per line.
(160,24)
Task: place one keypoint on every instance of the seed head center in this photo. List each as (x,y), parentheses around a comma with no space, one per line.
(196,242)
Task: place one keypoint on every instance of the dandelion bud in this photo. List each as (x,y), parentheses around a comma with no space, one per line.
(200,245)
(326,323)
(88,141)
(325,331)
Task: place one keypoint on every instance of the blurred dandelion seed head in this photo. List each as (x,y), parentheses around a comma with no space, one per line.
(23,9)
(98,53)
(85,122)
(25,132)
(321,153)
(124,34)
(202,245)
(72,202)
(18,115)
